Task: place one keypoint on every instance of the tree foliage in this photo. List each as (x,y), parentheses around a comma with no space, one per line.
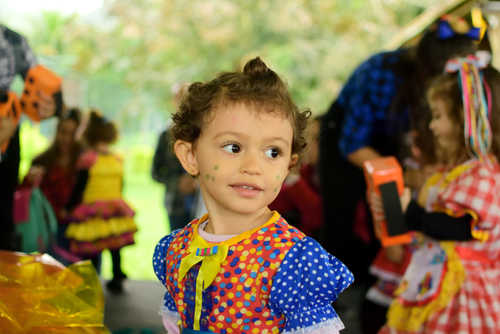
(127,62)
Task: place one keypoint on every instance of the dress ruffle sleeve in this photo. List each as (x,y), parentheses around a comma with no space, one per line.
(308,281)
(475,191)
(169,313)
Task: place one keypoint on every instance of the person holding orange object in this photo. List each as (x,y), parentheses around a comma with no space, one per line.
(16,58)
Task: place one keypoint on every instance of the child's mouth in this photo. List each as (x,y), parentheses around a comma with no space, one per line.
(246,190)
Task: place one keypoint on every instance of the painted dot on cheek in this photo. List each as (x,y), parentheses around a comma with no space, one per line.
(207,176)
(216,167)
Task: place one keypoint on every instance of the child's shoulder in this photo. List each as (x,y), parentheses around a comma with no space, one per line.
(177,233)
(474,170)
(87,159)
(280,227)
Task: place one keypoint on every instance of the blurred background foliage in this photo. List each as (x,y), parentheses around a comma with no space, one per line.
(126,62)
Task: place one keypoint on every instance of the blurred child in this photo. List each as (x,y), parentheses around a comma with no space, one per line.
(99,217)
(451,284)
(299,200)
(55,172)
(241,268)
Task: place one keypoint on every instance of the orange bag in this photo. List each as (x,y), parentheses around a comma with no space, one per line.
(385,176)
(40,295)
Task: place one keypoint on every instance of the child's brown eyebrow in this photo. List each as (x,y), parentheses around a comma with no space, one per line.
(286,142)
(237,134)
(233,133)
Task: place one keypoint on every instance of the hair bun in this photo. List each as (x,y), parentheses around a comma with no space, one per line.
(95,115)
(256,66)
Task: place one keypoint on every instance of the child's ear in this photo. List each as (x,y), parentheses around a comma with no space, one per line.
(293,161)
(185,153)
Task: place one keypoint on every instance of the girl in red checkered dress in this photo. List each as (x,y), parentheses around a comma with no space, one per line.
(451,284)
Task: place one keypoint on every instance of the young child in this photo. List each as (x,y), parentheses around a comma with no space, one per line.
(241,268)
(451,284)
(55,172)
(99,217)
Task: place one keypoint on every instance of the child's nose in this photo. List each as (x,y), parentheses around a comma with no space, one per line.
(250,163)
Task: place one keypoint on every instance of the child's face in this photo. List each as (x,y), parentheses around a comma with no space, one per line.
(65,136)
(444,129)
(242,157)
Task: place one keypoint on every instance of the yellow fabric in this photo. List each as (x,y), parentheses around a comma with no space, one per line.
(478,21)
(40,295)
(429,183)
(105,179)
(98,228)
(411,318)
(210,264)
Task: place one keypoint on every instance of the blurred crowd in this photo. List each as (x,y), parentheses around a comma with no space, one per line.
(395,103)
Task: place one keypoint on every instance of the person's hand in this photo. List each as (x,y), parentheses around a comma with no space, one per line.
(405,199)
(395,253)
(35,175)
(46,106)
(7,128)
(187,184)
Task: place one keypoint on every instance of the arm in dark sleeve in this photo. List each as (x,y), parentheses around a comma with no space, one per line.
(438,225)
(77,194)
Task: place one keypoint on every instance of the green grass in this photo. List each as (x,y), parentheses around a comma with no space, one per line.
(141,192)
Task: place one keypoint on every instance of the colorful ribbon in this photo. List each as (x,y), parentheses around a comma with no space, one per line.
(211,259)
(476,98)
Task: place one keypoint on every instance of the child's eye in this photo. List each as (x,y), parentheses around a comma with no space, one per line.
(232,148)
(273,152)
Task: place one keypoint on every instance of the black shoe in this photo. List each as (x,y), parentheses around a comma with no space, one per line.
(115,286)
(120,276)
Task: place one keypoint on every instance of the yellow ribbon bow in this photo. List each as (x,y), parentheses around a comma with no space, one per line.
(211,258)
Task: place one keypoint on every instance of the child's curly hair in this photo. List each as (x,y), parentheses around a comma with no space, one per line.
(99,129)
(257,86)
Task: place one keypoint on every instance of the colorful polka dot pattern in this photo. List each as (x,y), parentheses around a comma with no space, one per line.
(276,280)
(308,281)
(240,293)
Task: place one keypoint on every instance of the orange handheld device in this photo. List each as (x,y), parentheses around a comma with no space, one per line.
(385,176)
(40,79)
(9,107)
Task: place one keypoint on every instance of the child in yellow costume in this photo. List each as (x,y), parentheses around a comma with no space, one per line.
(100,218)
